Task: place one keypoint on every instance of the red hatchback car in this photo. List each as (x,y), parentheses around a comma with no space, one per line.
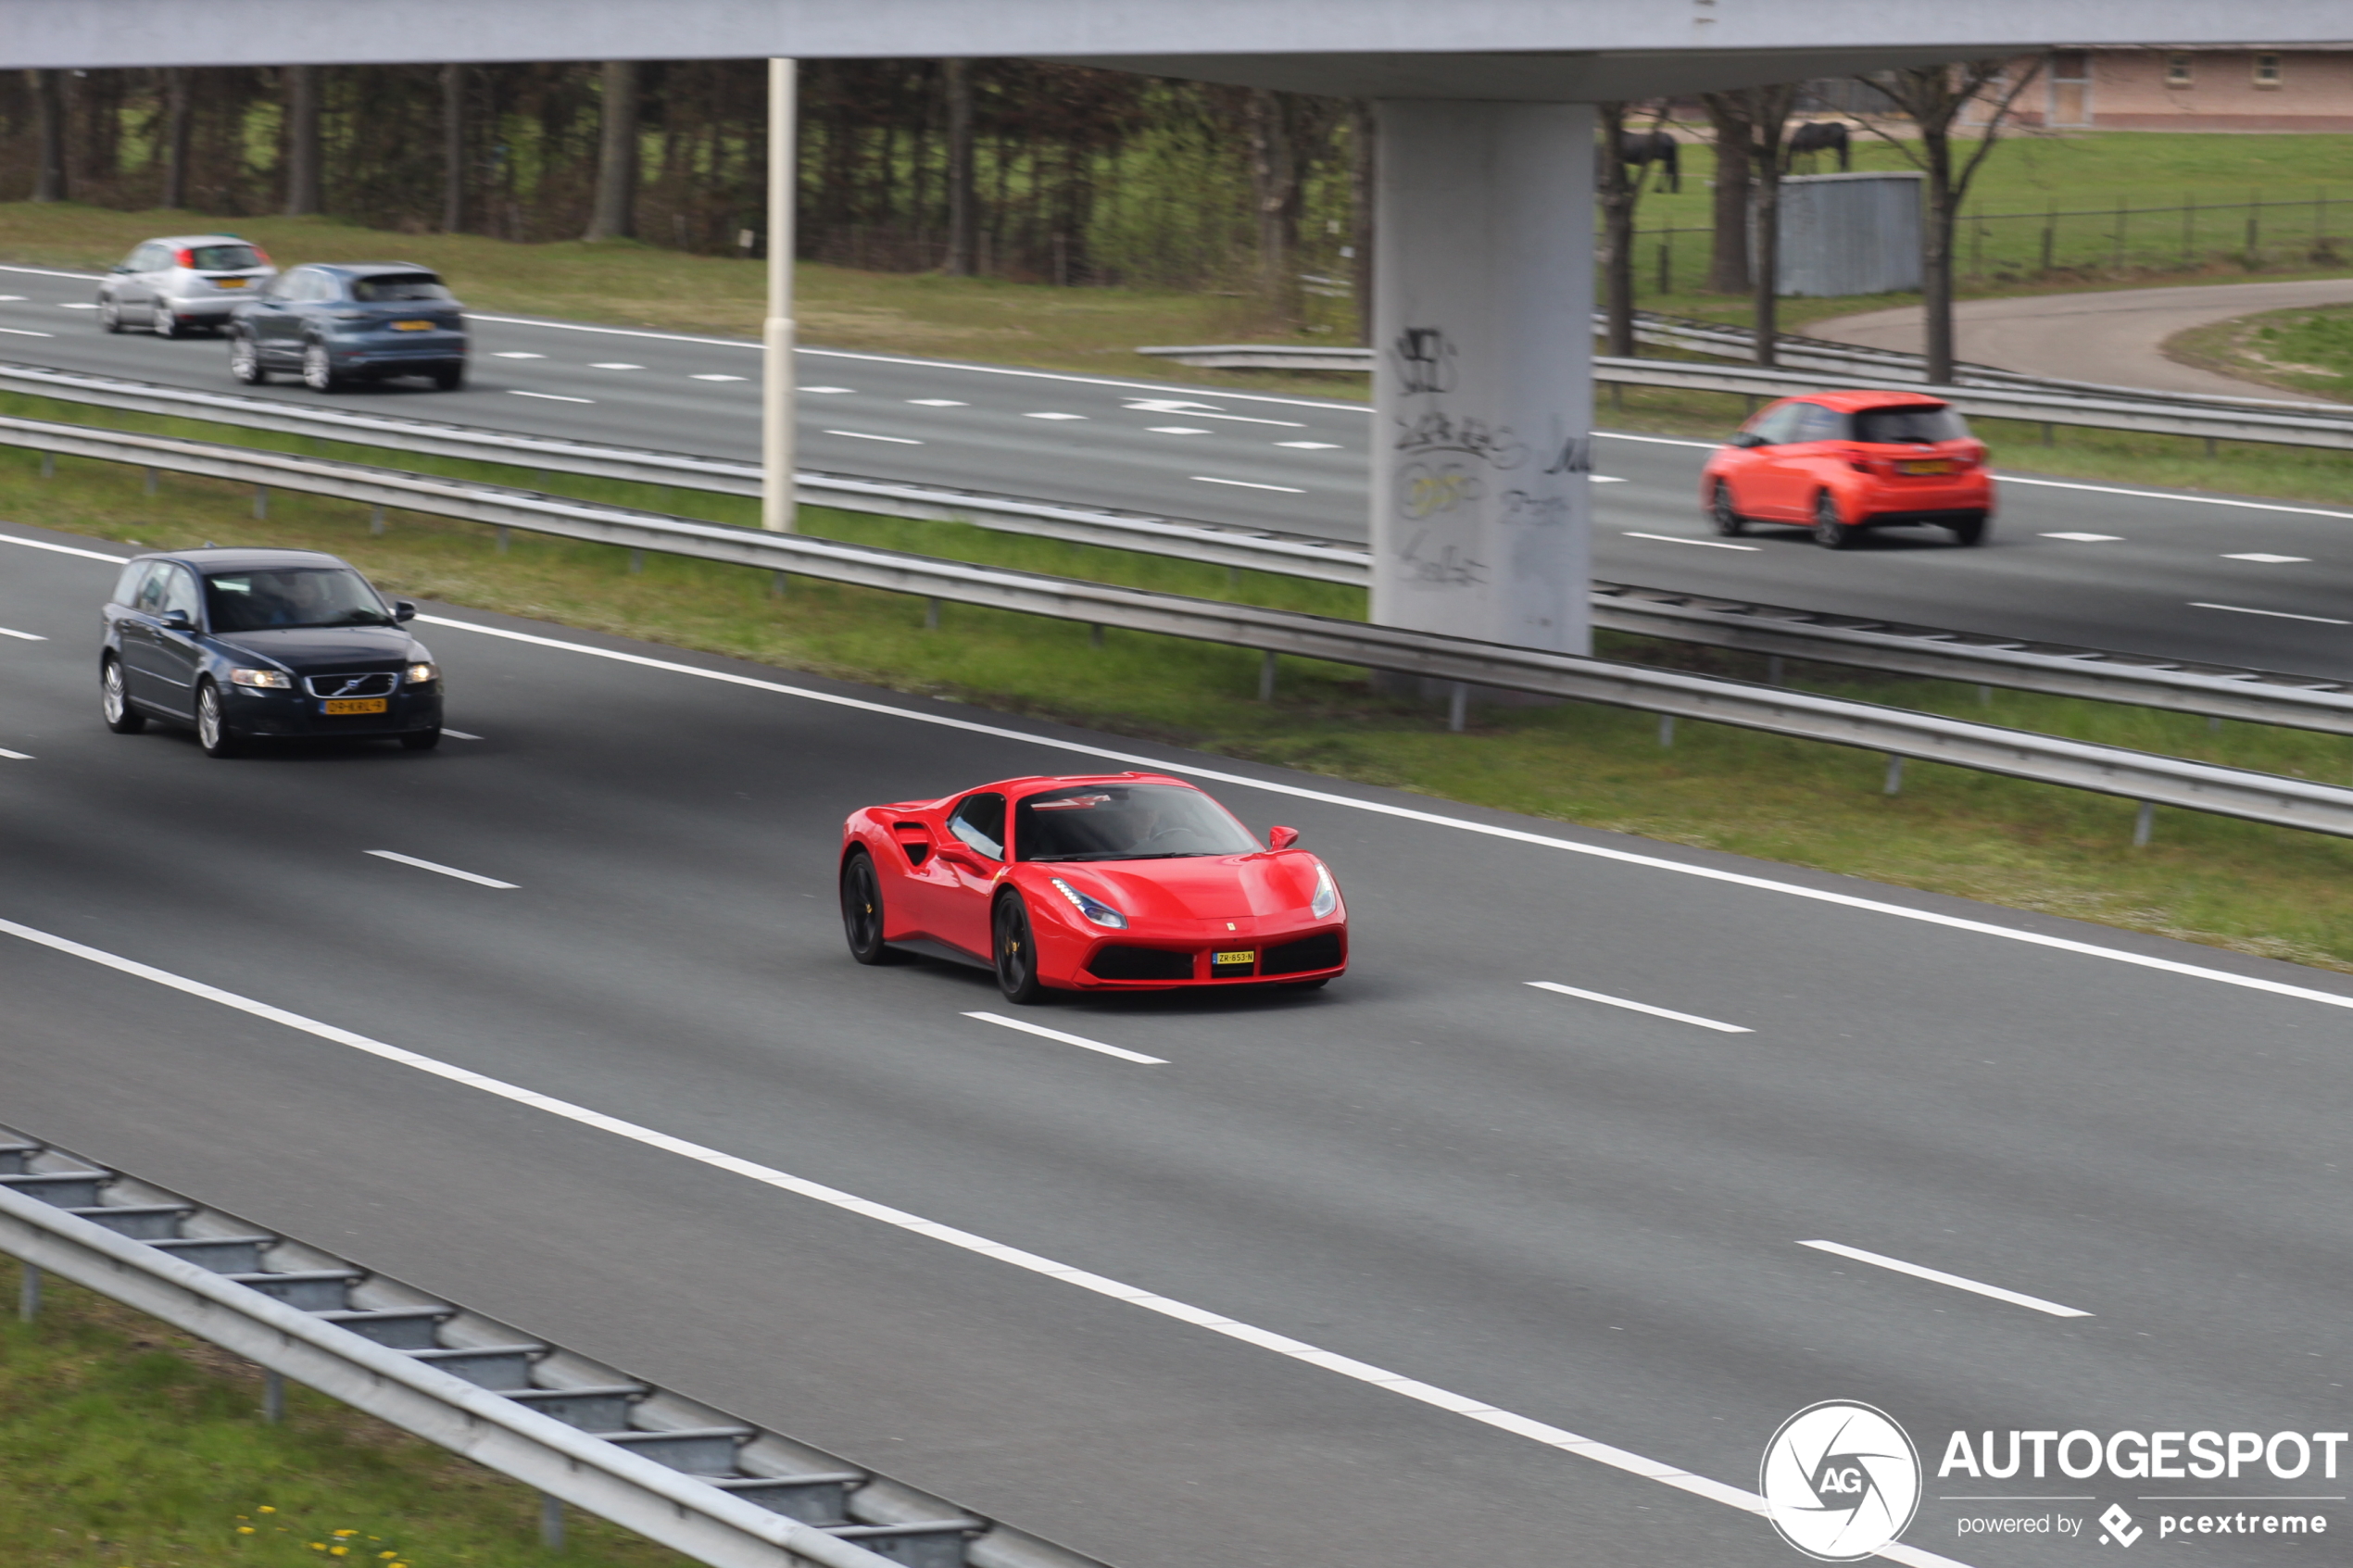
(1840,462)
(1121,881)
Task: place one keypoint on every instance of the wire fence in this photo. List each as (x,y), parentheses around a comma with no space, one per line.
(2257,234)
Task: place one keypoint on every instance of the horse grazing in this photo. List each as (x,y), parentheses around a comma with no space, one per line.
(1654,147)
(1817,136)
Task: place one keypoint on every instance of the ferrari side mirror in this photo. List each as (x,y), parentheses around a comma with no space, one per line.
(1281,838)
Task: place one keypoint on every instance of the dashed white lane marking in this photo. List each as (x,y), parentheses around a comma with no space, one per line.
(1053,415)
(1602,479)
(863,435)
(12,298)
(25,331)
(2269,560)
(931,1230)
(80,304)
(1176,429)
(1312,445)
(547,396)
(614,365)
(1941,1277)
(1711,544)
(715,378)
(1204,411)
(458,735)
(436,866)
(1878,907)
(1690,1018)
(2088,538)
(27,636)
(1079,1040)
(516,354)
(2274,614)
(822,391)
(1246,485)
(16,756)
(938,403)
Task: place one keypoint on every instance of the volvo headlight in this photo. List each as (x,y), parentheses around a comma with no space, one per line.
(1326,897)
(1094,908)
(275,680)
(420,673)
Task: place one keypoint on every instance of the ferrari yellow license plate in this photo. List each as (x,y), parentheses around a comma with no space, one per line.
(1249,957)
(356,705)
(1932,465)
(412,326)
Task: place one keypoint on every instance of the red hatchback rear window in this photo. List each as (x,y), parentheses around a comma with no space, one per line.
(1904,425)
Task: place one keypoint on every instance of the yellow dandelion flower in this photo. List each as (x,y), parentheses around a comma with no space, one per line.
(337,1550)
(245,1529)
(340,1534)
(265,1508)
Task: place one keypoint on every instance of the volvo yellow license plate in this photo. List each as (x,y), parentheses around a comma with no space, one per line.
(1249,957)
(412,326)
(1934,465)
(341,705)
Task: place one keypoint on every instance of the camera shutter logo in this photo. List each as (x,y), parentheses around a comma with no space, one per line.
(1840,1481)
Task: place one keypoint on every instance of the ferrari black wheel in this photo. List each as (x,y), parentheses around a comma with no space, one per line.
(1720,512)
(1016,951)
(861,908)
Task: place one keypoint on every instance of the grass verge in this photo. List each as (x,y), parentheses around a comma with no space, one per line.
(2306,351)
(127,1443)
(2237,884)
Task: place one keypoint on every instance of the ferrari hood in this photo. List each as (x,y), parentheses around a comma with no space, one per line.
(1208,887)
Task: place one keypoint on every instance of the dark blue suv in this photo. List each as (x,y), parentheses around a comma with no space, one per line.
(249,643)
(355,320)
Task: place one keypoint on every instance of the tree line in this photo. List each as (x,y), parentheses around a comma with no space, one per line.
(1013,169)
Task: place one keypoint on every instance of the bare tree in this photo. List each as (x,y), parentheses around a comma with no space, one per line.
(305,183)
(615,216)
(1728,258)
(453,148)
(1768,112)
(49,124)
(1933,98)
(1275,192)
(175,137)
(963,230)
(1363,172)
(1619,194)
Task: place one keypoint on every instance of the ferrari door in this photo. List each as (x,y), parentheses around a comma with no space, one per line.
(968,864)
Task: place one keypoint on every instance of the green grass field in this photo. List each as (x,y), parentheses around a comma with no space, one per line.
(127,1443)
(2253,888)
(2307,351)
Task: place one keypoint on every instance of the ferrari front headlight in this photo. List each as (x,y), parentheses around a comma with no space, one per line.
(1093,908)
(1326,897)
(275,680)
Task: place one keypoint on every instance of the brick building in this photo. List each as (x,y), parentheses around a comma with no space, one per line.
(2214,87)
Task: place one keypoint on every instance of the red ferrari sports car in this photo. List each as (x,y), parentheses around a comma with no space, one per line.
(1120,881)
(1840,462)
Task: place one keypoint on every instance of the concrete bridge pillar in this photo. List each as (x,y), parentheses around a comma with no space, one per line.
(1484,387)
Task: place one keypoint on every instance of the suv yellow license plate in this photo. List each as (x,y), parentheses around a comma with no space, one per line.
(1249,957)
(412,326)
(341,705)
(1935,465)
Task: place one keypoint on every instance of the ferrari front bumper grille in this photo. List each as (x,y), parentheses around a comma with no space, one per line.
(1118,961)
(1322,950)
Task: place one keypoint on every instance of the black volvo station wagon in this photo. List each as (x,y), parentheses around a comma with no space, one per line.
(245,643)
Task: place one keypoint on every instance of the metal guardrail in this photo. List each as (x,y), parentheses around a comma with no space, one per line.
(1187,539)
(2210,690)
(2152,779)
(2213,691)
(723,1492)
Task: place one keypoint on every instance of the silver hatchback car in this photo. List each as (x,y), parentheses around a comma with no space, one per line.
(185,280)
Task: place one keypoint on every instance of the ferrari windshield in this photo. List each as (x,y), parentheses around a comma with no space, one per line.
(304,595)
(1120,822)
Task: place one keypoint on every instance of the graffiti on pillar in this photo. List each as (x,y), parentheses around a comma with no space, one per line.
(1439,431)
(1427,489)
(1447,566)
(1574,455)
(1425,358)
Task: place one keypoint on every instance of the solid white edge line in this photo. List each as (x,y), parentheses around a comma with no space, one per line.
(1433,818)
(17,755)
(437,866)
(1079,1040)
(61,549)
(1346,1366)
(1673,539)
(25,331)
(1641,1007)
(2274,614)
(863,435)
(1246,485)
(22,636)
(52,272)
(550,396)
(1941,1277)
(458,735)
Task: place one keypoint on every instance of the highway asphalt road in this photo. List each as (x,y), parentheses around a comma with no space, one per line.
(2222,580)
(1557,1213)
